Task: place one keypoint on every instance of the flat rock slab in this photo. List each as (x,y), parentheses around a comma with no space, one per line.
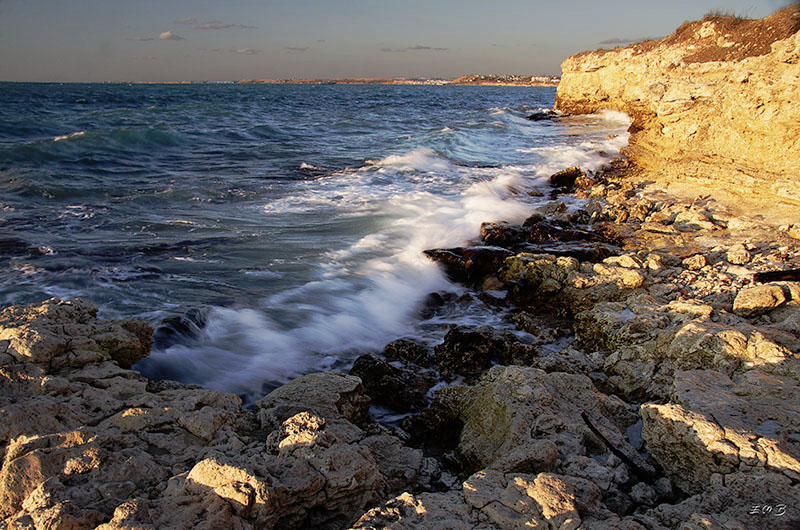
(717,426)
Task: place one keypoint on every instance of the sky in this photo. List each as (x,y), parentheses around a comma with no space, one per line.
(174,40)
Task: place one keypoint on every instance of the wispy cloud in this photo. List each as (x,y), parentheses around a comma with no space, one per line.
(247,51)
(296,48)
(617,41)
(187,20)
(414,48)
(217,24)
(417,47)
(142,39)
(168,35)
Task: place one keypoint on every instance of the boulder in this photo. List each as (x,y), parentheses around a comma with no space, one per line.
(566,177)
(758,299)
(525,420)
(468,350)
(400,389)
(738,255)
(408,351)
(469,264)
(502,234)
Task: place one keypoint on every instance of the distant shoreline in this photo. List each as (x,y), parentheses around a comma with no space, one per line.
(467,80)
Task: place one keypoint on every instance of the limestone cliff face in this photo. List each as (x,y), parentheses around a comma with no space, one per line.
(715,103)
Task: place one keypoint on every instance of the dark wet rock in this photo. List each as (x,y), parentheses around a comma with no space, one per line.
(552,208)
(580,216)
(468,350)
(583,251)
(400,389)
(492,301)
(533,219)
(432,303)
(502,234)
(542,115)
(409,351)
(543,231)
(175,328)
(469,264)
(436,428)
(566,178)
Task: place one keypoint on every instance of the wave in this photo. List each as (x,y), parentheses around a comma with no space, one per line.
(87,145)
(422,159)
(370,291)
(68,136)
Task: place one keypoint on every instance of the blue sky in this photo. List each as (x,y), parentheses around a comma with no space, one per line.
(160,40)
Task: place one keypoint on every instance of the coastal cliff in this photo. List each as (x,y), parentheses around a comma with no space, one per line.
(714,103)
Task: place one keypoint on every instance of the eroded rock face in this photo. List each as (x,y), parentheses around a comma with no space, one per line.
(698,96)
(732,444)
(495,500)
(525,420)
(537,278)
(87,443)
(714,425)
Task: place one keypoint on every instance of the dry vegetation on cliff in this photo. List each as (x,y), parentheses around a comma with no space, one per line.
(712,103)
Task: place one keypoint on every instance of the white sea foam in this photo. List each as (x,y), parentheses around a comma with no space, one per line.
(68,136)
(422,159)
(368,291)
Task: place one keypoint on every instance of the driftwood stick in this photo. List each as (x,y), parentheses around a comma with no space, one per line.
(792,275)
(641,473)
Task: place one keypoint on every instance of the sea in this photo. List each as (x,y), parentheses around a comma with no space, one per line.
(268,231)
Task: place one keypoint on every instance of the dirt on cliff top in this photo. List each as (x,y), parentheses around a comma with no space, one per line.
(727,38)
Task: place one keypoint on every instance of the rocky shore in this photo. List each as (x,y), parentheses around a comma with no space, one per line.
(644,380)
(649,383)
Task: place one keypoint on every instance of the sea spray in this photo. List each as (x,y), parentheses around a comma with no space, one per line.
(295,232)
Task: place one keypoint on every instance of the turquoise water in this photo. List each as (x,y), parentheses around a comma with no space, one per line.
(290,217)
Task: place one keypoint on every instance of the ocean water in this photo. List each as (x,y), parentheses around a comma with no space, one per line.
(288,220)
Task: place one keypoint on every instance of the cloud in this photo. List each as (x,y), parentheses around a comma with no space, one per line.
(617,41)
(217,24)
(168,35)
(187,20)
(142,39)
(297,48)
(247,51)
(414,47)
